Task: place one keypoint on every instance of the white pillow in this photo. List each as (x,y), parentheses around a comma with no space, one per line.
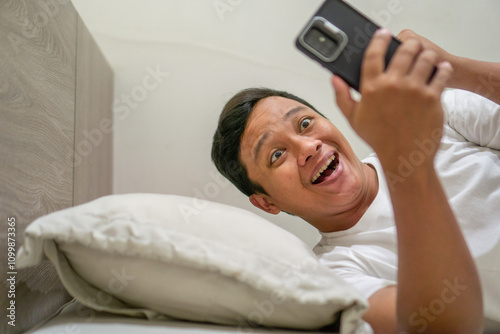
(154,255)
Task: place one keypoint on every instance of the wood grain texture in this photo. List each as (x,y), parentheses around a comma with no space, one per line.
(93,123)
(37,118)
(37,103)
(42,47)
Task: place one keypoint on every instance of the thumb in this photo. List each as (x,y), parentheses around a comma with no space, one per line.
(343,96)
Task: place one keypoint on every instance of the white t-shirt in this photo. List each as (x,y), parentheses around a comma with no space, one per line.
(468,163)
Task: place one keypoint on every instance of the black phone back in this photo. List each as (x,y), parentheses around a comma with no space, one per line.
(355,26)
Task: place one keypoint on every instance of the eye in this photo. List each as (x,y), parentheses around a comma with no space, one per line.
(304,124)
(276,155)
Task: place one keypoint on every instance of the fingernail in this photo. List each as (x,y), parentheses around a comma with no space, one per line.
(446,64)
(383,31)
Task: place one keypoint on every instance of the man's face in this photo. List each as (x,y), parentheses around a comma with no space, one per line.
(304,163)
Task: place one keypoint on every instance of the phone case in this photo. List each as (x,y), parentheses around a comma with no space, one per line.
(354,33)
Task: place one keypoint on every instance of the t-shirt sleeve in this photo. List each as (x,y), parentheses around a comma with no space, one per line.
(474,117)
(364,273)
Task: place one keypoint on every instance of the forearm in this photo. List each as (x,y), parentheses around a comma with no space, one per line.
(432,256)
(400,108)
(476,76)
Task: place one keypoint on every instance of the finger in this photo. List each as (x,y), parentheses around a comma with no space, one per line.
(374,59)
(406,34)
(442,77)
(424,66)
(343,96)
(404,57)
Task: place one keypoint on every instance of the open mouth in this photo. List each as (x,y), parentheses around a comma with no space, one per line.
(328,168)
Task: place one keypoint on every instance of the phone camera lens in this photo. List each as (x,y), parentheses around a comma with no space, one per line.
(321,42)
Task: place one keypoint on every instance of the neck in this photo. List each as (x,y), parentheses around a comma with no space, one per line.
(349,218)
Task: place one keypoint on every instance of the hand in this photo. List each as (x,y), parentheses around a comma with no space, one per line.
(400,106)
(399,110)
(479,77)
(442,54)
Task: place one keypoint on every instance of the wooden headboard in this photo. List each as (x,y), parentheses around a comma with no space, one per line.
(56,93)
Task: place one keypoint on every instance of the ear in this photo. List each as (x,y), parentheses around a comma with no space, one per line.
(264,203)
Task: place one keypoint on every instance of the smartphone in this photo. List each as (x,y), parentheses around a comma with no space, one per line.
(337,36)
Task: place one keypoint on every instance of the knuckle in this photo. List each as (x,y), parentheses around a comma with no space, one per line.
(414,87)
(430,95)
(368,90)
(409,43)
(392,83)
(372,55)
(406,34)
(407,52)
(410,48)
(429,56)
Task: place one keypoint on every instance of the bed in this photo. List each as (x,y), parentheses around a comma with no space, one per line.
(76,318)
(141,260)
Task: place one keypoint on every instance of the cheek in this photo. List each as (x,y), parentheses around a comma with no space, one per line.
(287,182)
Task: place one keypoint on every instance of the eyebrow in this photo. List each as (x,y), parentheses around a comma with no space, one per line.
(292,112)
(266,135)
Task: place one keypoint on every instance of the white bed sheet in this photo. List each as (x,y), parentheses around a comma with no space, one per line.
(75,318)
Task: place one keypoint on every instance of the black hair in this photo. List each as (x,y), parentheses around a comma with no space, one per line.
(226,146)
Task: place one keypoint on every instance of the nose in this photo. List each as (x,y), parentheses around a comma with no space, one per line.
(307,148)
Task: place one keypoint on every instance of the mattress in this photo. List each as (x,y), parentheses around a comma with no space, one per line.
(76,318)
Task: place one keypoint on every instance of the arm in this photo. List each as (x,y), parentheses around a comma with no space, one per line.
(398,108)
(477,119)
(476,76)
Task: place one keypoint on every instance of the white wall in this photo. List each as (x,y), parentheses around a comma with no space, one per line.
(204,51)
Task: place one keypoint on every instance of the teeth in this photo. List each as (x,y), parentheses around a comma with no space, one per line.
(322,169)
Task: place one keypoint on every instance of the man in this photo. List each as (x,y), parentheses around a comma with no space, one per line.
(387,224)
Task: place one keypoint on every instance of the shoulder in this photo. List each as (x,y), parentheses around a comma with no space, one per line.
(472,116)
(462,104)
